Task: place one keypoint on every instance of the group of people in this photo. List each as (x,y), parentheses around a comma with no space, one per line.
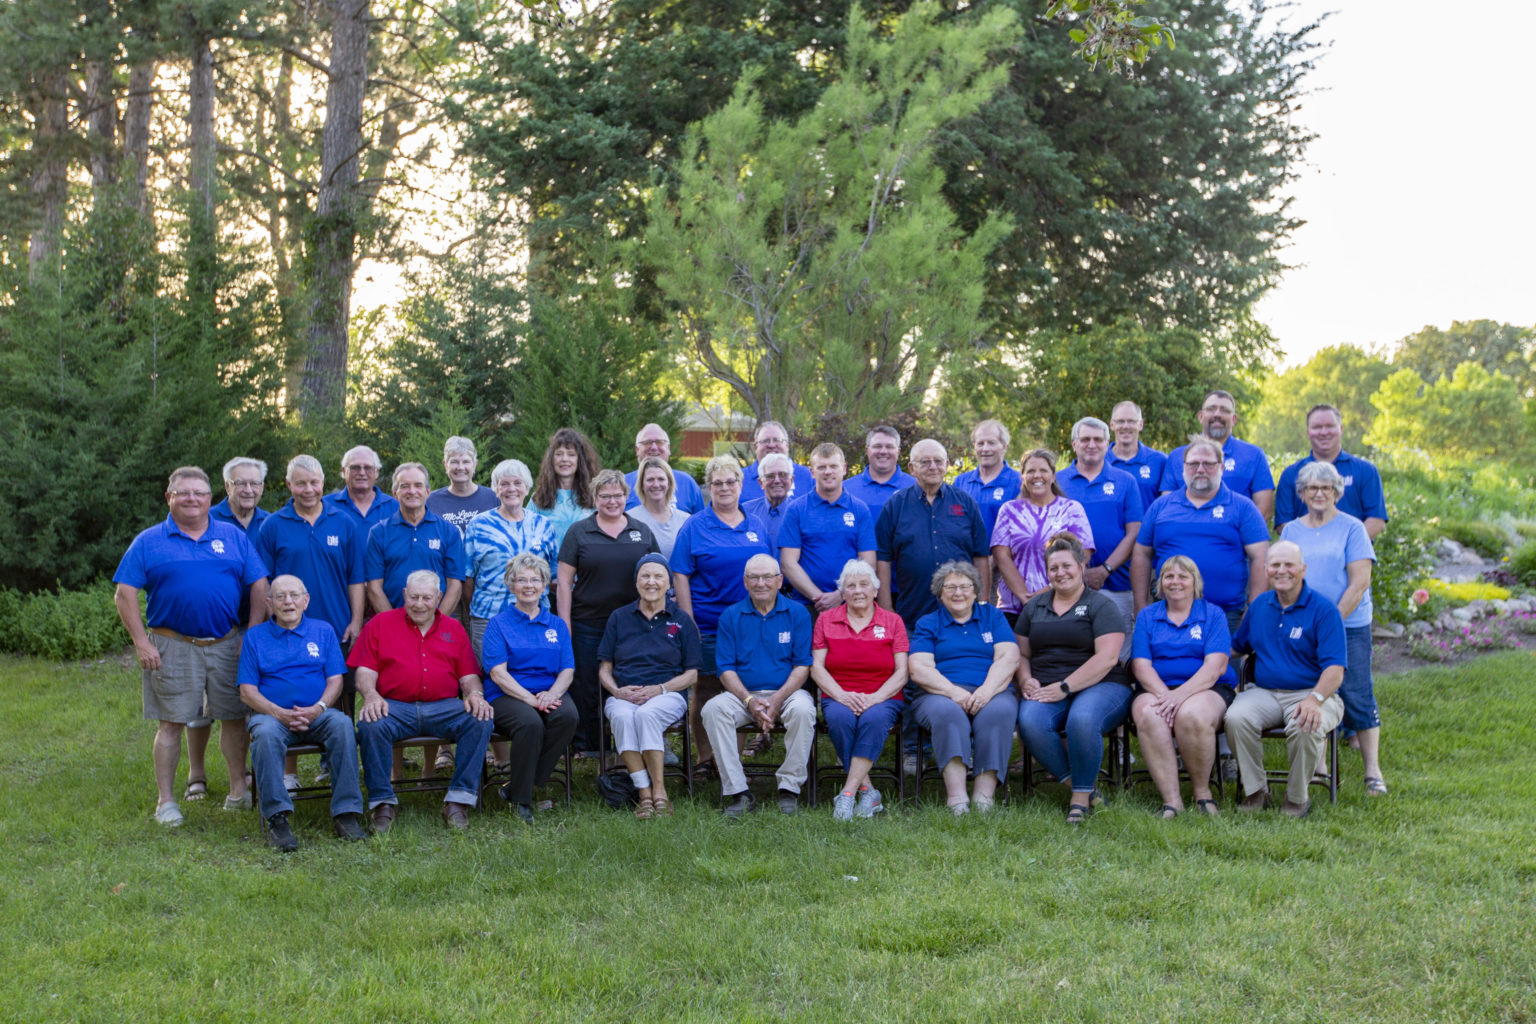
(589,606)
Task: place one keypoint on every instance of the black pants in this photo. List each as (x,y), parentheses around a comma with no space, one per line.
(538,738)
(585,690)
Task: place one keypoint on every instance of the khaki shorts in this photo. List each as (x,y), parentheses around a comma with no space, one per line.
(193,684)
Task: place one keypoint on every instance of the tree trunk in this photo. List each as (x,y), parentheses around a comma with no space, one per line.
(141,102)
(202,213)
(101,119)
(50,185)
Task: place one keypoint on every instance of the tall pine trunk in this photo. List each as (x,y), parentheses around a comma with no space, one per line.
(50,185)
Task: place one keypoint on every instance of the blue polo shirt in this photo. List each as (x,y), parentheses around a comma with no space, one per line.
(195,586)
(763,649)
(384,506)
(1244,468)
(648,652)
(962,651)
(1294,644)
(771,516)
(534,650)
(1214,535)
(289,667)
(686,493)
(396,549)
(1177,651)
(874,493)
(1112,501)
(223,514)
(990,496)
(828,534)
(917,536)
(1146,466)
(800,482)
(713,556)
(328,557)
(1364,496)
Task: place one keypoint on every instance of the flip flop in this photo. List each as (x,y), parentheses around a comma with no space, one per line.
(1374,786)
(197,789)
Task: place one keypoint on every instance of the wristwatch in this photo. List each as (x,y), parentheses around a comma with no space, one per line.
(1320,698)
(1066,691)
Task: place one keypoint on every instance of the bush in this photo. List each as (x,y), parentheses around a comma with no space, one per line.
(1402,560)
(64,626)
(1486,539)
(1523,563)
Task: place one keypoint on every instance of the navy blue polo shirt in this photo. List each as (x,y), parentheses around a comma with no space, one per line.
(917,536)
(962,651)
(1177,651)
(195,586)
(713,556)
(828,534)
(1244,468)
(396,549)
(1214,535)
(649,651)
(800,482)
(289,667)
(328,557)
(1146,466)
(990,496)
(224,514)
(1363,494)
(384,506)
(686,493)
(535,650)
(874,493)
(1293,645)
(763,649)
(771,516)
(1112,501)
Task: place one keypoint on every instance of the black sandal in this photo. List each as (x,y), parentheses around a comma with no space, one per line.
(1077,814)
(1168,813)
(1208,807)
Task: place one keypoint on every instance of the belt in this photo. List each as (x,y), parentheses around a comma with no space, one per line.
(195,641)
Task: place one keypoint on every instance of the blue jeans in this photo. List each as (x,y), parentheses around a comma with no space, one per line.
(1357,691)
(859,735)
(270,740)
(1083,719)
(445,719)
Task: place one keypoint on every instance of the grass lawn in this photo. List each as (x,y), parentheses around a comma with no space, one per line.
(1413,908)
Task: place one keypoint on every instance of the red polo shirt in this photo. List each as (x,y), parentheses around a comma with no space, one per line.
(860,661)
(411,667)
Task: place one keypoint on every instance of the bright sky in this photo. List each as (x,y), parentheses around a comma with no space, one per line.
(1419,196)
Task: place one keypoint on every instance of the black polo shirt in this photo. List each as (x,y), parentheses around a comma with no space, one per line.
(917,536)
(1060,644)
(605,566)
(649,651)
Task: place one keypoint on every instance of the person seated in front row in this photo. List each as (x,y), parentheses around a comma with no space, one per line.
(1298,642)
(290,677)
(859,660)
(763,650)
(1180,657)
(964,657)
(417,675)
(648,657)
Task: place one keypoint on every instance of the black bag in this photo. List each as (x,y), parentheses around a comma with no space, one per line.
(617,789)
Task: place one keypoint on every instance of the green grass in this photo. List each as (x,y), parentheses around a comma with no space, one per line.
(1412,908)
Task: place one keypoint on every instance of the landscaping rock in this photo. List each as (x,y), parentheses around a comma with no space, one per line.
(1464,614)
(1448,550)
(1385,630)
(1419,627)
(1447,620)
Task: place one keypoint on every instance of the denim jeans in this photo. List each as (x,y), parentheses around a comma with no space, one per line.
(270,740)
(1357,691)
(1083,719)
(445,719)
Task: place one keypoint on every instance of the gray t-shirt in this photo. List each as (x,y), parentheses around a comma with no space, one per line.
(666,533)
(444,504)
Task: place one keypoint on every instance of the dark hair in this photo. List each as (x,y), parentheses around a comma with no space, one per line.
(547,489)
(1065,542)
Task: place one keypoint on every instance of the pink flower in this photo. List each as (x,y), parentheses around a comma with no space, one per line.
(1421,596)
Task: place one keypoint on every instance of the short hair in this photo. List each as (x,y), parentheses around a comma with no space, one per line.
(1065,542)
(513,468)
(185,473)
(1128,402)
(770,423)
(652,462)
(394,478)
(1090,423)
(1180,562)
(828,450)
(1328,407)
(767,462)
(303,588)
(240,462)
(763,555)
(1218,393)
(305,464)
(359,452)
(954,567)
(883,430)
(1286,545)
(526,560)
(1201,441)
(1050,460)
(606,478)
(727,463)
(1320,473)
(665,436)
(997,425)
(857,567)
(421,576)
(460,444)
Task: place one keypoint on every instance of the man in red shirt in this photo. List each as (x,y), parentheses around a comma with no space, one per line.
(418,676)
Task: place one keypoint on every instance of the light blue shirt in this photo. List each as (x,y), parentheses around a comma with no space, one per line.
(1328,550)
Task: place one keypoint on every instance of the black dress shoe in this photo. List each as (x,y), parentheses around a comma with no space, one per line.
(789,803)
(349,827)
(524,813)
(741,804)
(279,834)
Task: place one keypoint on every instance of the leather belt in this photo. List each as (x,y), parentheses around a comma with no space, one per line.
(195,641)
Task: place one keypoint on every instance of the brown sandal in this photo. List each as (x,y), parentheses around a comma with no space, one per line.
(662,805)
(646,808)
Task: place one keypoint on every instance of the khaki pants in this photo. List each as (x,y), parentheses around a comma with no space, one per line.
(1257,709)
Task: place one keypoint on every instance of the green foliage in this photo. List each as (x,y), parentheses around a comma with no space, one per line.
(1341,375)
(1112,32)
(1486,539)
(1433,353)
(1403,558)
(64,626)
(1523,563)
(1454,417)
(1458,594)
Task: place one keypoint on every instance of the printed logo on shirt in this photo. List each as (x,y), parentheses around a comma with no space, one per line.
(784,638)
(752,536)
(1218,512)
(313,649)
(634,536)
(1229,465)
(674,630)
(997,494)
(434,544)
(847,518)
(879,632)
(1081,610)
(1194,632)
(332,541)
(445,636)
(1349,481)
(1146,472)
(551,636)
(1295,632)
(986,637)
(218,547)
(1109,488)
(957,510)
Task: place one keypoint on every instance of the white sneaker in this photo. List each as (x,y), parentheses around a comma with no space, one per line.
(238,803)
(323,776)
(842,807)
(290,782)
(909,764)
(169,814)
(869,803)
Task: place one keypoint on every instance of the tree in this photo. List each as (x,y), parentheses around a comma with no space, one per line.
(1468,415)
(1433,353)
(1341,375)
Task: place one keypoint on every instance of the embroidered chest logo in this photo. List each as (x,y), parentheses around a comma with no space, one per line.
(1146,472)
(551,636)
(1295,632)
(218,547)
(1229,465)
(1109,488)
(332,541)
(784,638)
(313,649)
(1218,512)
(434,544)
(752,536)
(957,510)
(1080,611)
(986,636)
(634,536)
(445,636)
(674,630)
(1349,481)
(1194,632)
(997,494)
(879,632)
(847,518)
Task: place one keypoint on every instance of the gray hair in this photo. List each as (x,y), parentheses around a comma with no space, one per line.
(1201,441)
(526,561)
(954,567)
(305,464)
(1091,423)
(857,567)
(240,462)
(511,467)
(460,444)
(997,425)
(420,577)
(728,463)
(394,478)
(770,423)
(362,451)
(766,464)
(1286,547)
(1317,472)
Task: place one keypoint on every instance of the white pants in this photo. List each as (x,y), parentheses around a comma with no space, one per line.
(725,713)
(639,726)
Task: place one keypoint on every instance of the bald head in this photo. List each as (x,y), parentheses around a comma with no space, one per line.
(763,579)
(929,462)
(1287,569)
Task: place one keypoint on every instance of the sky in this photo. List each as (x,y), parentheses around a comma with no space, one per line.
(1420,191)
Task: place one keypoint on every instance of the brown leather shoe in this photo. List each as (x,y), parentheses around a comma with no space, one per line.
(383,817)
(1256,802)
(1297,811)
(456,816)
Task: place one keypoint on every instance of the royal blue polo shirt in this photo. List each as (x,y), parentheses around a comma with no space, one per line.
(1146,466)
(990,496)
(771,516)
(224,514)
(1244,468)
(384,506)
(917,536)
(195,586)
(396,549)
(535,650)
(649,651)
(962,651)
(713,556)
(289,667)
(874,493)
(1293,645)
(763,649)
(1214,535)
(1178,651)
(800,482)
(328,557)
(686,493)
(1113,501)
(828,534)
(1364,497)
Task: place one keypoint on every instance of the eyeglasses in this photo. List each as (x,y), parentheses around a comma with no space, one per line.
(191,494)
(1318,489)
(1200,465)
(761,577)
(527,581)
(958,588)
(725,483)
(245,485)
(610,497)
(927,463)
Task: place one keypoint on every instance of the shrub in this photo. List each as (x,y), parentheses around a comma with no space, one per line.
(1486,539)
(1523,563)
(1402,560)
(62,626)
